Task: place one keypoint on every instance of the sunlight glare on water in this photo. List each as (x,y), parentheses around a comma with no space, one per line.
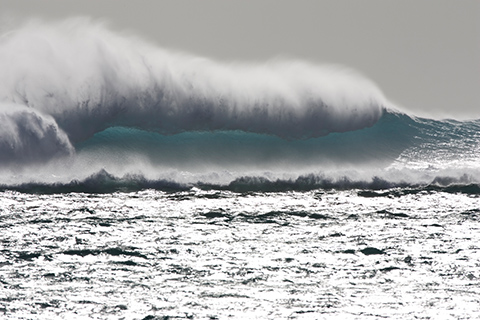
(216,254)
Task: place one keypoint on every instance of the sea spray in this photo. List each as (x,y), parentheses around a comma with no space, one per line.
(87,78)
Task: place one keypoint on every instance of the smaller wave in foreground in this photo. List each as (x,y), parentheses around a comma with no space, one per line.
(103,182)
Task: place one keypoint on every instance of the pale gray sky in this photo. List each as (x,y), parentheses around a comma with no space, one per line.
(423,54)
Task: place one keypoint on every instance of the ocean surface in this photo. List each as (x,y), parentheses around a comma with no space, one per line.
(142,183)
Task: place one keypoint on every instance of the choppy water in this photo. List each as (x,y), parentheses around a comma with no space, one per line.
(219,254)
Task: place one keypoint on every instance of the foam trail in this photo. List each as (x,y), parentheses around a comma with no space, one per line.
(75,78)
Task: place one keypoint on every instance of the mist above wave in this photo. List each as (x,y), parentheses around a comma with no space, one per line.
(63,82)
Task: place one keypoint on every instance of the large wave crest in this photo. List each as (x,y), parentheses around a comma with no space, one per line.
(63,82)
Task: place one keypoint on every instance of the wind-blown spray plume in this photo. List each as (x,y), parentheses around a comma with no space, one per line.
(60,83)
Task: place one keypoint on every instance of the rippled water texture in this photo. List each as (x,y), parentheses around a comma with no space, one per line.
(218,255)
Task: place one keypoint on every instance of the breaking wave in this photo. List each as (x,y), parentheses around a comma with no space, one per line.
(77,78)
(85,109)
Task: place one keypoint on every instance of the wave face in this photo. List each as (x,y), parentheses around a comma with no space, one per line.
(83,108)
